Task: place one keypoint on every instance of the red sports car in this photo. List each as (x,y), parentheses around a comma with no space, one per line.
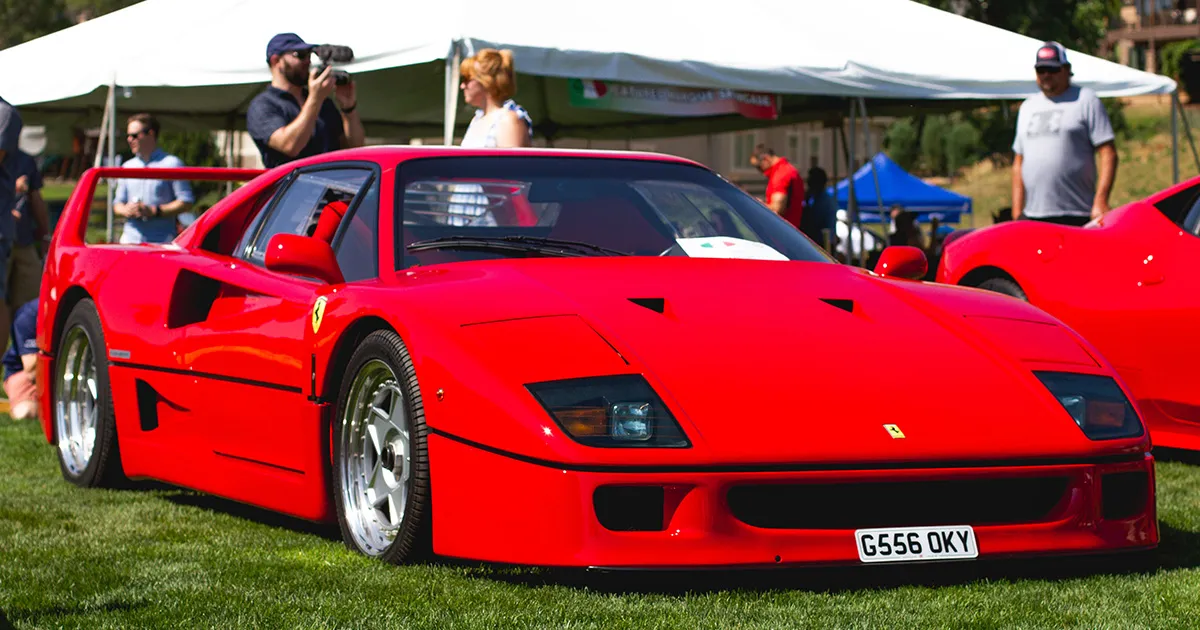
(576,358)
(1126,282)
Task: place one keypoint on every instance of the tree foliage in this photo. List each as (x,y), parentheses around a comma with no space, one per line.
(1077,24)
(24,20)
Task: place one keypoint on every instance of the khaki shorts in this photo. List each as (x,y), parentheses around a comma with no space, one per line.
(24,276)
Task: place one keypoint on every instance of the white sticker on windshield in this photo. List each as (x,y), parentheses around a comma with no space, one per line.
(728,247)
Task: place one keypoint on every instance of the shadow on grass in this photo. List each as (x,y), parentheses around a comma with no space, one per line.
(38,616)
(1176,455)
(1178,549)
(243,511)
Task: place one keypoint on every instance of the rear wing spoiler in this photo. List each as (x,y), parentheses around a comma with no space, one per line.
(73,223)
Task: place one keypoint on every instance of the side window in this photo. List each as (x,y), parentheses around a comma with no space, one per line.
(357,251)
(260,211)
(1180,205)
(301,206)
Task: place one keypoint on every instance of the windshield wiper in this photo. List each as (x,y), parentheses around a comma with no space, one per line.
(490,244)
(556,241)
(527,244)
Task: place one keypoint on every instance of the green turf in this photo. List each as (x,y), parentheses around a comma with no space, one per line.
(165,558)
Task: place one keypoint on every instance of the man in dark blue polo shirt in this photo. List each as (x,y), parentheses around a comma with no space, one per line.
(294,118)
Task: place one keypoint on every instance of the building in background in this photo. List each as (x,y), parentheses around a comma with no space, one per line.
(1145,26)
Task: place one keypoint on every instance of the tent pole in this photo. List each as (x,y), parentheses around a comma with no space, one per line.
(229,154)
(99,158)
(862,105)
(834,179)
(1175,136)
(1187,129)
(112,149)
(855,220)
(850,201)
(452,61)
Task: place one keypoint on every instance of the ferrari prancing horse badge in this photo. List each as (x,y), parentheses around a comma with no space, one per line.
(894,431)
(318,313)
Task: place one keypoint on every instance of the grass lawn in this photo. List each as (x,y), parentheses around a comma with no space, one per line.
(164,557)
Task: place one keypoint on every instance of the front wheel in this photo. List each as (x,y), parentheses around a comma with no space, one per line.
(85,427)
(380,463)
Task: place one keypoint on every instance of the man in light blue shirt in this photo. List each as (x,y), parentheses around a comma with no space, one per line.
(150,205)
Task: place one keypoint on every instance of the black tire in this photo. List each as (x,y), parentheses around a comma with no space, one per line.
(413,539)
(103,467)
(1005,286)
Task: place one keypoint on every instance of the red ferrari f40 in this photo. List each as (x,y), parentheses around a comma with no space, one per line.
(576,358)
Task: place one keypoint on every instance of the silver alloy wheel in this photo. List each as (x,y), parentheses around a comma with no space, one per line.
(75,402)
(375,458)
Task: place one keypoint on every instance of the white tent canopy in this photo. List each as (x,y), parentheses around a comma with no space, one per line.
(199,64)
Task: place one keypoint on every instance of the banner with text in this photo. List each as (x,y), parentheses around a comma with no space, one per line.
(670,100)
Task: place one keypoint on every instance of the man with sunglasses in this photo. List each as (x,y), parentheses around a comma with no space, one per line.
(1060,133)
(294,117)
(149,206)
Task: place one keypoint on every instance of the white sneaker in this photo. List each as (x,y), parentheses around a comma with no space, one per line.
(24,410)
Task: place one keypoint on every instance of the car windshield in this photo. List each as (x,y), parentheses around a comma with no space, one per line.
(483,207)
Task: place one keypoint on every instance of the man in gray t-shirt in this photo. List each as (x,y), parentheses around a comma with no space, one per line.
(1060,132)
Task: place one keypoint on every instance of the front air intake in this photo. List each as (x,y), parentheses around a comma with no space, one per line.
(630,508)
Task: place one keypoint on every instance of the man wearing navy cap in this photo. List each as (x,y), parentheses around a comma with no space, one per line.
(1059,134)
(293,118)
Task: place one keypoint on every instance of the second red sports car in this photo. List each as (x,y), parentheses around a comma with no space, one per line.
(577,358)
(1129,283)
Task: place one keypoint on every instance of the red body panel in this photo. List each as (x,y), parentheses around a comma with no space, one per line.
(770,382)
(1128,285)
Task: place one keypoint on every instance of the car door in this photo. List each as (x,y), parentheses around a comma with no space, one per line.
(1168,305)
(247,343)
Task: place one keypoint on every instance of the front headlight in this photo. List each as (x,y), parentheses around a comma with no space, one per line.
(608,411)
(1096,403)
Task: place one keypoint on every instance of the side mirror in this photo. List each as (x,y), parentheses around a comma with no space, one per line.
(303,256)
(902,261)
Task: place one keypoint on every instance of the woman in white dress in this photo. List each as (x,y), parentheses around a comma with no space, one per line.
(488,83)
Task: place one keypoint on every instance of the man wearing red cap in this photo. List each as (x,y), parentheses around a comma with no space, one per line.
(1060,132)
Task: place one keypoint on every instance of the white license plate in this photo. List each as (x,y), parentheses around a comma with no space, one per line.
(914,544)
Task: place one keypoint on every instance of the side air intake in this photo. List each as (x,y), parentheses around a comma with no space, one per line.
(845,305)
(658,305)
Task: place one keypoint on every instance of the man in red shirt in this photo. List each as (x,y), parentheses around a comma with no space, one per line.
(785,187)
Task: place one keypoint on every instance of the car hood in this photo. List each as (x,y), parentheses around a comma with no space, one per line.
(793,361)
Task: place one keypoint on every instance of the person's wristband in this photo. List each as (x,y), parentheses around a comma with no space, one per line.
(347,110)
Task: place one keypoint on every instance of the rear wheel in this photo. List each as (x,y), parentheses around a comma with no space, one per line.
(380,464)
(1005,286)
(85,427)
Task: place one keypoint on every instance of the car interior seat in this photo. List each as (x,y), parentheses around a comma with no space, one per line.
(327,223)
(610,222)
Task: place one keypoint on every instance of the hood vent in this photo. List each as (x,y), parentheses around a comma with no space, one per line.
(845,305)
(658,305)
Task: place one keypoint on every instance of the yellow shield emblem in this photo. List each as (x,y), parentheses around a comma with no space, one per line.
(318,313)
(894,431)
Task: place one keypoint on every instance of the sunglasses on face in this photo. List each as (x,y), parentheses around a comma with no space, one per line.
(131,136)
(1044,70)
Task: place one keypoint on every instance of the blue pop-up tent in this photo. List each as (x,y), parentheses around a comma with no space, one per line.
(897,186)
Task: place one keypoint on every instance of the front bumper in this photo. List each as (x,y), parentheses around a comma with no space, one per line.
(493,507)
